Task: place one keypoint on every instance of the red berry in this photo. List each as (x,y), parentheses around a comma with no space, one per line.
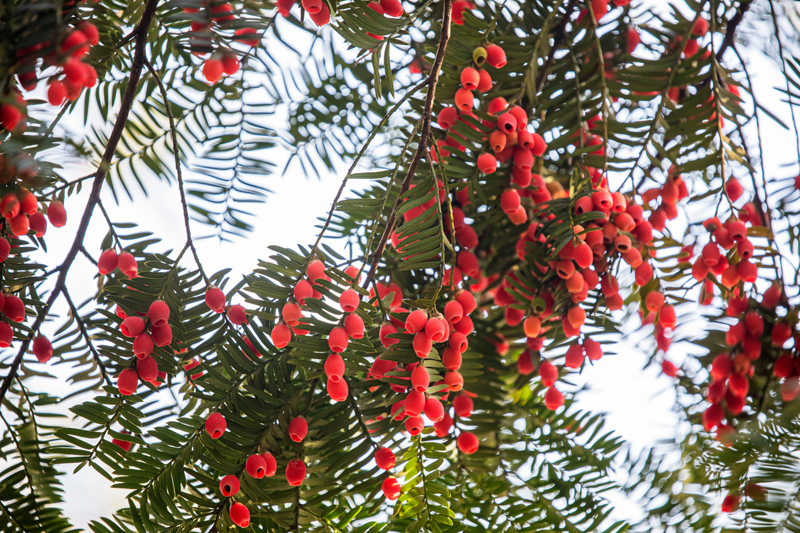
(132,326)
(57,214)
(334,367)
(281,335)
(148,369)
(434,409)
(240,515)
(42,349)
(216,425)
(212,70)
(255,41)
(255,466)
(462,406)
(354,325)
(295,472)
(338,339)
(422,344)
(442,427)
(127,382)
(525,363)
(89,30)
(495,56)
(420,378)
(298,428)
(349,300)
(6,335)
(291,313)
(338,390)
(487,163)
(731,502)
(414,425)
(38,223)
(142,345)
(230,64)
(215,299)
(470,78)
(384,458)
(548,373)
(5,249)
(14,309)
(416,321)
(162,335)
(237,315)
(229,485)
(414,403)
(158,313)
(127,265)
(391,488)
(315,271)
(553,398)
(467,442)
(393,8)
(272,464)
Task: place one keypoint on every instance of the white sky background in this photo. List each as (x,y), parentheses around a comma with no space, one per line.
(639,403)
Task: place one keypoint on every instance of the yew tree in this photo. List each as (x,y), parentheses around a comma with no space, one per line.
(522,183)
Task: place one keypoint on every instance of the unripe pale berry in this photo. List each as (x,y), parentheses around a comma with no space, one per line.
(298,429)
(216,425)
(295,472)
(384,458)
(42,349)
(127,382)
(240,515)
(229,485)
(132,326)
(468,442)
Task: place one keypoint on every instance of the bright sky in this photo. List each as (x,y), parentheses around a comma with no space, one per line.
(639,403)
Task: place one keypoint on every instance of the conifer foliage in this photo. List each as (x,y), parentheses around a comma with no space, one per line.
(521,182)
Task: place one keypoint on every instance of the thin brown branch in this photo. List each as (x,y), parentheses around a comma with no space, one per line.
(97,184)
(730,29)
(425,132)
(178,173)
(558,40)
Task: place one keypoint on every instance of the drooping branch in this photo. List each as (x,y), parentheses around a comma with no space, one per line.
(425,132)
(140,34)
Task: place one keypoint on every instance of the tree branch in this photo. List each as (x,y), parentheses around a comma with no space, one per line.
(125,107)
(730,29)
(559,38)
(433,79)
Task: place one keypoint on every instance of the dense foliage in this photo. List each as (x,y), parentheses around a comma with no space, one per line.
(524,181)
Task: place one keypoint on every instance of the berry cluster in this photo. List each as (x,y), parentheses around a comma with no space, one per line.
(156,331)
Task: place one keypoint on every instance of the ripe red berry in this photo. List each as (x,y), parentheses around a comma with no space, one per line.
(162,336)
(334,367)
(75,44)
(158,313)
(89,31)
(10,116)
(127,382)
(338,390)
(19,225)
(414,403)
(212,70)
(42,349)
(291,313)
(416,321)
(384,458)
(295,472)
(240,515)
(414,425)
(189,366)
(243,36)
(393,8)
(422,344)
(731,502)
(442,427)
(315,271)
(142,345)
(6,335)
(127,264)
(349,300)
(548,373)
(485,81)
(574,356)
(132,326)
(281,335)
(298,428)
(447,117)
(237,315)
(454,380)
(495,56)
(354,325)
(147,369)
(38,223)
(255,466)
(391,488)
(451,359)
(338,339)
(525,363)
(272,464)
(216,425)
(57,214)
(420,378)
(593,349)
(467,442)
(5,249)
(434,409)
(462,406)
(553,398)
(230,64)
(436,329)
(9,205)
(470,78)
(215,299)
(125,445)
(229,485)
(387,328)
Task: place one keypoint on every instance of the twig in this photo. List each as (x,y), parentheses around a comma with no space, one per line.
(559,38)
(176,154)
(97,184)
(423,137)
(730,29)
